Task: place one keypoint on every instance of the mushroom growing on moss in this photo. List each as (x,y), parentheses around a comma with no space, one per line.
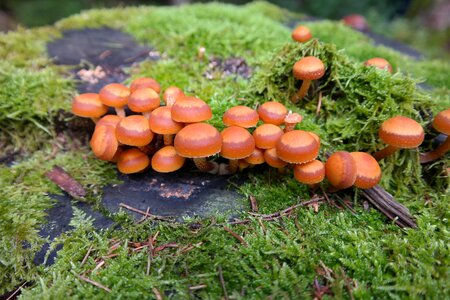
(307,69)
(291,120)
(399,133)
(272,112)
(272,159)
(368,171)
(199,141)
(379,63)
(145,82)
(237,143)
(267,135)
(310,173)
(115,95)
(301,34)
(144,101)
(88,105)
(297,147)
(242,116)
(441,123)
(190,110)
(340,170)
(172,94)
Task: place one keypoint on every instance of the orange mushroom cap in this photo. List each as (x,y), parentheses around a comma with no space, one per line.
(272,159)
(161,121)
(145,82)
(310,173)
(267,135)
(401,132)
(242,116)
(368,171)
(340,170)
(441,122)
(308,68)
(272,112)
(88,106)
(134,131)
(172,94)
(104,143)
(301,34)
(132,161)
(198,140)
(237,143)
(167,160)
(379,63)
(114,95)
(356,21)
(191,110)
(297,147)
(256,158)
(109,120)
(143,100)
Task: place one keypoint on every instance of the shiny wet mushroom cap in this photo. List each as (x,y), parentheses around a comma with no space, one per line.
(267,135)
(368,171)
(191,110)
(167,160)
(132,161)
(242,116)
(297,147)
(161,122)
(104,143)
(441,123)
(144,101)
(272,112)
(301,34)
(310,173)
(115,95)
(340,170)
(145,82)
(134,131)
(379,63)
(88,105)
(307,69)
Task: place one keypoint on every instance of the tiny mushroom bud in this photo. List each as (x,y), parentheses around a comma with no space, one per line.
(368,171)
(441,123)
(134,131)
(237,143)
(115,95)
(167,160)
(297,147)
(104,143)
(267,135)
(272,112)
(191,110)
(242,116)
(340,170)
(88,106)
(172,94)
(307,69)
(199,141)
(272,159)
(161,122)
(132,161)
(291,120)
(379,63)
(310,173)
(399,133)
(356,21)
(145,82)
(301,34)
(256,158)
(144,101)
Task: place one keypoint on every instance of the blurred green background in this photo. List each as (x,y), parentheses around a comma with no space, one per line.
(424,24)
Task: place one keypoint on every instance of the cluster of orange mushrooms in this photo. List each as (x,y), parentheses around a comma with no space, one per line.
(129,140)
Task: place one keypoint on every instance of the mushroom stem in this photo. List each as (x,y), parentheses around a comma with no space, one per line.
(95,120)
(206,166)
(436,153)
(302,91)
(168,139)
(147,114)
(379,155)
(229,169)
(120,111)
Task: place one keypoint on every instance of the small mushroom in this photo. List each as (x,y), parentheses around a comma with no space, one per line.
(356,21)
(368,171)
(134,131)
(199,141)
(167,160)
(145,82)
(272,159)
(379,63)
(191,110)
(161,122)
(399,133)
(310,173)
(272,112)
(340,170)
(132,161)
(242,116)
(109,120)
(267,135)
(291,120)
(307,69)
(256,158)
(88,106)
(144,101)
(297,147)
(441,123)
(172,94)
(301,34)
(104,143)
(115,95)
(237,143)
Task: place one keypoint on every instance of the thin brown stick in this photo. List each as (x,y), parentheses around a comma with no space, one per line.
(94,283)
(16,291)
(144,217)
(157,293)
(86,256)
(197,287)
(99,265)
(253,203)
(156,217)
(222,282)
(150,255)
(319,104)
(237,236)
(287,210)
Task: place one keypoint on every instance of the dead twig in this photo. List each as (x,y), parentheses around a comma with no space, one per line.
(253,203)
(157,294)
(16,291)
(94,283)
(156,217)
(62,179)
(319,104)
(86,256)
(197,287)
(284,212)
(237,236)
(222,282)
